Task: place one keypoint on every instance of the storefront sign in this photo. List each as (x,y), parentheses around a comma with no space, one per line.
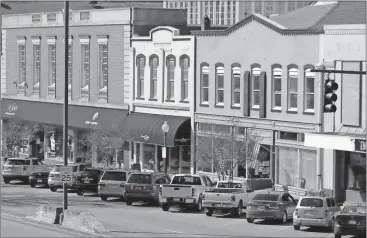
(360,145)
(93,121)
(12,109)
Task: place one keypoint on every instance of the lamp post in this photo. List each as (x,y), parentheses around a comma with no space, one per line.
(165,130)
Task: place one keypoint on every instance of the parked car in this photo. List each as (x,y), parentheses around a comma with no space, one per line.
(54,179)
(271,205)
(87,181)
(351,220)
(112,183)
(314,211)
(185,190)
(227,196)
(19,168)
(38,178)
(144,186)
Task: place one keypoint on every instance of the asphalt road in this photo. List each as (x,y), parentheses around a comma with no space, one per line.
(145,221)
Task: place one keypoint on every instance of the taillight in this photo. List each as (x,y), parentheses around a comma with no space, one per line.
(273,206)
(203,196)
(295,212)
(51,175)
(193,191)
(326,213)
(233,198)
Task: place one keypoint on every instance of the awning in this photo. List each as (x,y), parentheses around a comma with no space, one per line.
(333,141)
(147,128)
(84,117)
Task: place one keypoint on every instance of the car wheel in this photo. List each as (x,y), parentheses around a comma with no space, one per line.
(128,202)
(32,185)
(209,212)
(337,235)
(296,227)
(165,207)
(53,189)
(284,218)
(122,199)
(104,198)
(199,207)
(6,181)
(250,220)
(79,192)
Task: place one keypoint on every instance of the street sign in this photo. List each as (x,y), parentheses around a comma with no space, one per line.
(66,174)
(164,154)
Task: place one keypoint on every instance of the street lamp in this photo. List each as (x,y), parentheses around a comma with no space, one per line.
(165,130)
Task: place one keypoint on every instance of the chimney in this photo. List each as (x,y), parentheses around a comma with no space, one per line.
(205,25)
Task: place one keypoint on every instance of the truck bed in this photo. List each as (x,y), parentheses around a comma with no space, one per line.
(176,191)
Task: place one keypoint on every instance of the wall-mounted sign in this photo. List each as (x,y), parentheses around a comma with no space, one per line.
(12,109)
(145,137)
(94,120)
(360,145)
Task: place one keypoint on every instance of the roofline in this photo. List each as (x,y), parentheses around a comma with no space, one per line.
(337,4)
(256,18)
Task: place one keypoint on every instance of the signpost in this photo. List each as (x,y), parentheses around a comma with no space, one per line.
(66,173)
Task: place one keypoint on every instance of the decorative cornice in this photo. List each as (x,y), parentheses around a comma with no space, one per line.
(345,32)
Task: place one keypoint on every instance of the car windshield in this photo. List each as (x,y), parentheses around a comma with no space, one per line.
(229,185)
(15,162)
(312,202)
(140,178)
(114,176)
(266,197)
(92,172)
(354,209)
(190,180)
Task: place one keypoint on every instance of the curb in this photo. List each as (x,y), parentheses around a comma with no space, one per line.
(52,227)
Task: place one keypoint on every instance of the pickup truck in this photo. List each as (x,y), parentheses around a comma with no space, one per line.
(185,190)
(227,196)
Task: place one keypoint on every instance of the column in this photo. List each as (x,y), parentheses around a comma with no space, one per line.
(135,158)
(141,154)
(180,153)
(131,156)
(156,165)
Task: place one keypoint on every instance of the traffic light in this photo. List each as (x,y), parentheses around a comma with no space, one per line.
(330,97)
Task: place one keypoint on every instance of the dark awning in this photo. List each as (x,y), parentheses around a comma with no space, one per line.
(147,128)
(84,117)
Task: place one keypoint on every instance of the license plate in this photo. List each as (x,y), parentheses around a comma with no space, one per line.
(261,207)
(352,222)
(137,188)
(176,199)
(39,180)
(189,200)
(86,181)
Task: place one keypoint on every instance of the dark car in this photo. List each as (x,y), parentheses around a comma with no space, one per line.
(87,181)
(351,220)
(38,178)
(271,205)
(144,187)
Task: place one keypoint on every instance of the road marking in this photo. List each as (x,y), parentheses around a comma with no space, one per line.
(280,229)
(183,233)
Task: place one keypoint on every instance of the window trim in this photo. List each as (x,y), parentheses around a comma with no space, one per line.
(276,74)
(255,71)
(22,69)
(236,72)
(204,69)
(219,70)
(292,71)
(140,79)
(70,64)
(85,40)
(170,82)
(308,74)
(51,70)
(102,91)
(183,81)
(151,59)
(36,42)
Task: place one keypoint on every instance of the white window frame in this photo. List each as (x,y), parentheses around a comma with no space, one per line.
(36,18)
(277,74)
(154,77)
(255,72)
(51,17)
(185,80)
(309,74)
(85,74)
(292,73)
(52,65)
(84,16)
(36,42)
(22,62)
(140,77)
(204,70)
(219,71)
(171,81)
(102,41)
(236,73)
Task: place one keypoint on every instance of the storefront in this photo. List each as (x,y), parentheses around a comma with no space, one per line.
(144,131)
(47,141)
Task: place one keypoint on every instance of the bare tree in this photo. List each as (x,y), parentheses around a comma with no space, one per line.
(225,152)
(15,133)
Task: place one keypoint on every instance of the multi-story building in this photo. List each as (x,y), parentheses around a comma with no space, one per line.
(99,70)
(226,13)
(162,91)
(270,90)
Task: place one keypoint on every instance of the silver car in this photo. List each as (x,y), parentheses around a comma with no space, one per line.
(112,184)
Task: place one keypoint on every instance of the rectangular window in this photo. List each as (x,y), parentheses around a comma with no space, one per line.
(85,79)
(310,91)
(51,17)
(247,6)
(84,16)
(283,135)
(229,12)
(219,86)
(191,19)
(211,11)
(236,87)
(234,12)
(154,77)
(36,68)
(171,79)
(222,129)
(205,127)
(256,87)
(22,63)
(217,11)
(102,68)
(277,88)
(205,85)
(222,13)
(185,79)
(51,66)
(140,79)
(36,18)
(258,7)
(292,89)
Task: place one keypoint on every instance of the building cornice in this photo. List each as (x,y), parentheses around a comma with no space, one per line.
(345,32)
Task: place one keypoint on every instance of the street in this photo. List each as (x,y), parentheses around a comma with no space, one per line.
(146,221)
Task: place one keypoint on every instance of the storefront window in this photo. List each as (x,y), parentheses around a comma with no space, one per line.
(54,143)
(204,154)
(308,164)
(149,156)
(174,162)
(185,163)
(356,171)
(84,150)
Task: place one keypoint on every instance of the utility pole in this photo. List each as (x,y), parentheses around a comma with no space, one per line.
(66,98)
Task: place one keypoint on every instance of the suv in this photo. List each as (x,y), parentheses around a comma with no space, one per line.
(144,186)
(112,183)
(315,211)
(19,168)
(88,180)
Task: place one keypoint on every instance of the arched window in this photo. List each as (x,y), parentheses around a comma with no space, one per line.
(292,89)
(309,90)
(140,65)
(204,95)
(255,74)
(219,76)
(185,63)
(236,87)
(277,88)
(153,63)
(171,63)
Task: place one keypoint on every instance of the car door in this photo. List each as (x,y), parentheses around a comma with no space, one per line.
(292,205)
(286,203)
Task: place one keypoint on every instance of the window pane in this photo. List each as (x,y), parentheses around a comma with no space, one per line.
(237,82)
(172,91)
(310,85)
(256,98)
(220,96)
(277,100)
(310,101)
(293,100)
(205,95)
(277,84)
(186,88)
(154,88)
(256,82)
(236,98)
(220,81)
(205,80)
(293,85)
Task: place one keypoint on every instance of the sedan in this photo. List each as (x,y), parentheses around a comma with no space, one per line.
(271,205)
(350,221)
(36,178)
